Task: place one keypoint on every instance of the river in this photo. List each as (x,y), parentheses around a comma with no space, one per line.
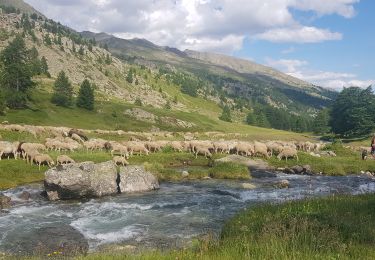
(169,217)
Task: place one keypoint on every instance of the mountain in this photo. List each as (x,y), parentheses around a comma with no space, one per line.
(165,79)
(21,5)
(237,76)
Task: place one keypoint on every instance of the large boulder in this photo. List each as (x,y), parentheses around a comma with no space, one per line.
(136,179)
(81,180)
(4,202)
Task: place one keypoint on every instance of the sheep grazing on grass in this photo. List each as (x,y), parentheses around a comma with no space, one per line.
(8,148)
(244,148)
(202,151)
(288,153)
(119,160)
(117,148)
(64,159)
(40,159)
(137,147)
(177,146)
(77,138)
(261,149)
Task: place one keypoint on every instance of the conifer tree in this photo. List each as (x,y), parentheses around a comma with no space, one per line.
(63,91)
(86,97)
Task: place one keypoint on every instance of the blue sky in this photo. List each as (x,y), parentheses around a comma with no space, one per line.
(326,42)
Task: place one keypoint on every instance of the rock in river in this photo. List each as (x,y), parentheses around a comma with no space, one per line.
(4,202)
(57,241)
(136,179)
(81,180)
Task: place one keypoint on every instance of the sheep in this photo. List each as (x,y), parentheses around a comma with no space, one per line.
(39,159)
(119,160)
(77,138)
(177,146)
(243,148)
(30,155)
(288,153)
(261,149)
(64,159)
(222,146)
(119,148)
(202,151)
(9,148)
(137,147)
(274,148)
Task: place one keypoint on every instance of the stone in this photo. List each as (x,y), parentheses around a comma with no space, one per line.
(283,184)
(307,169)
(289,171)
(248,186)
(81,180)
(297,169)
(185,174)
(25,195)
(136,179)
(4,202)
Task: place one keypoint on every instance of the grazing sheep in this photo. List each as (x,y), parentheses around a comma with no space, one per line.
(137,147)
(244,148)
(288,153)
(9,148)
(202,151)
(177,146)
(39,159)
(261,149)
(119,160)
(222,147)
(64,159)
(120,149)
(77,138)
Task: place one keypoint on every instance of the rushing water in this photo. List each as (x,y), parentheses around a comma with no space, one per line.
(168,217)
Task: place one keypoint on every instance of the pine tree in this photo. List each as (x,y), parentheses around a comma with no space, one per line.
(226,115)
(16,80)
(250,119)
(81,50)
(129,77)
(321,122)
(63,91)
(44,66)
(86,97)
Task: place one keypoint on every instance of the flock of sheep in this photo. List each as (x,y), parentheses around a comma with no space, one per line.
(74,140)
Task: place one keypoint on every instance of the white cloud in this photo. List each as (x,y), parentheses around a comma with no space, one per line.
(332,80)
(218,25)
(303,34)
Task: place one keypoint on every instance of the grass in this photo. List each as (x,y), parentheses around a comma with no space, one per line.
(229,170)
(346,162)
(339,227)
(14,173)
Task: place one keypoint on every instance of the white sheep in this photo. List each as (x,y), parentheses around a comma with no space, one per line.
(288,153)
(119,160)
(39,159)
(9,148)
(261,149)
(202,151)
(64,159)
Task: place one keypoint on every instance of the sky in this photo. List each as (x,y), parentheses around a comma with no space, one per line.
(329,43)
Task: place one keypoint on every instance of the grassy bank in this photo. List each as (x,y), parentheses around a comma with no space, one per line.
(346,162)
(341,227)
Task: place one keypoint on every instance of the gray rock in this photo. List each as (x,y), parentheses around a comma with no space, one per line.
(4,202)
(307,169)
(297,169)
(136,179)
(58,241)
(289,171)
(25,195)
(81,180)
(283,184)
